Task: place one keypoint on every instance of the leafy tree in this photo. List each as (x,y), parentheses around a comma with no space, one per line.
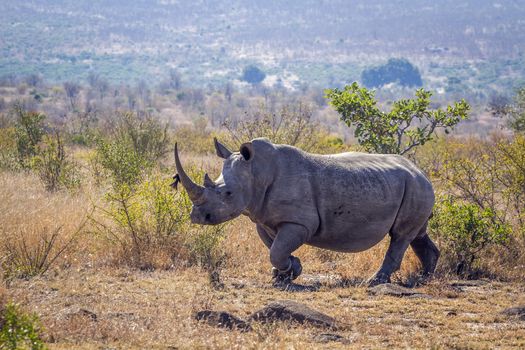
(396,70)
(29,131)
(408,124)
(253,75)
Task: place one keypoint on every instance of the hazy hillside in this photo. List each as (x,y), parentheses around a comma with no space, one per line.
(315,42)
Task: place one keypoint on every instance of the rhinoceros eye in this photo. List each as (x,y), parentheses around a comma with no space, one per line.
(228,193)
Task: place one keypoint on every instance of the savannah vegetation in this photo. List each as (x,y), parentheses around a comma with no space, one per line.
(91,229)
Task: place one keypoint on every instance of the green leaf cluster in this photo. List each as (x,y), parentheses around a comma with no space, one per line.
(29,131)
(464,229)
(53,166)
(409,123)
(19,330)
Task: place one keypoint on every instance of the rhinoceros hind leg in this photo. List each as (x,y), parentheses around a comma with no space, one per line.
(427,252)
(392,262)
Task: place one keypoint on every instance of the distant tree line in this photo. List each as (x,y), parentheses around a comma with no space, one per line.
(396,70)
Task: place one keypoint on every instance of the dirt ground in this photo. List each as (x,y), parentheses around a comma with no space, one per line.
(108,308)
(90,301)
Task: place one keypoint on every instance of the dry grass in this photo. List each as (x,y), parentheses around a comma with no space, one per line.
(33,220)
(154,310)
(88,302)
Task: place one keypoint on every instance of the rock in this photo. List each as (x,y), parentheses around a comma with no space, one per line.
(468,283)
(396,290)
(123,315)
(222,319)
(295,287)
(238,285)
(330,337)
(518,311)
(83,313)
(322,279)
(288,310)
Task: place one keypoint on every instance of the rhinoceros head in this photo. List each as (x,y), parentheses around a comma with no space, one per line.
(228,196)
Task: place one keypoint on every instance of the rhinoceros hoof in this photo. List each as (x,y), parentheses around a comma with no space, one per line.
(379,278)
(291,274)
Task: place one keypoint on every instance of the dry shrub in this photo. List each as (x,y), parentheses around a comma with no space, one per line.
(145,222)
(53,165)
(487,177)
(149,225)
(29,256)
(291,124)
(197,137)
(38,229)
(8,149)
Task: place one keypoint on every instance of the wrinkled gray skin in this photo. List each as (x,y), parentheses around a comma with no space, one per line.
(344,202)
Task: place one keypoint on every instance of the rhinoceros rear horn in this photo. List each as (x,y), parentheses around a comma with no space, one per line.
(194,191)
(246,151)
(221,150)
(208,182)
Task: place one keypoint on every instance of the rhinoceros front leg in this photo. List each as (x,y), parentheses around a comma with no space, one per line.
(289,237)
(265,236)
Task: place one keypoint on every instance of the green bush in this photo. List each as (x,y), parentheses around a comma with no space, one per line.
(464,230)
(511,165)
(53,166)
(490,174)
(19,330)
(147,219)
(146,136)
(121,163)
(29,131)
(8,149)
(196,138)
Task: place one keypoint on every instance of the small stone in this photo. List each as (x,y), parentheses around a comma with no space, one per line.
(330,337)
(83,313)
(518,311)
(396,290)
(222,319)
(295,287)
(123,315)
(238,285)
(288,310)
(468,283)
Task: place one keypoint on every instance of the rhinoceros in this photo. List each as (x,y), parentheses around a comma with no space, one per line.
(344,202)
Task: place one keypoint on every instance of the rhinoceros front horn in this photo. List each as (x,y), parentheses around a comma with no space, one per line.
(194,191)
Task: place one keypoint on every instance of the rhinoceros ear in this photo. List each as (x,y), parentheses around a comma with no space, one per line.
(246,151)
(221,150)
